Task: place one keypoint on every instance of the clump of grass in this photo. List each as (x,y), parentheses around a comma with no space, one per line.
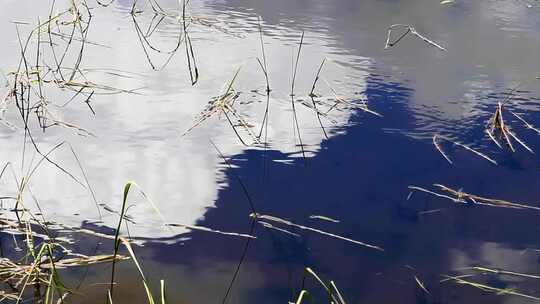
(50,64)
(262,217)
(503,272)
(498,130)
(44,253)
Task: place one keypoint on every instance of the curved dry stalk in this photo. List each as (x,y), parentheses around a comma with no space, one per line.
(439,148)
(498,128)
(206,229)
(421,284)
(487,288)
(408,30)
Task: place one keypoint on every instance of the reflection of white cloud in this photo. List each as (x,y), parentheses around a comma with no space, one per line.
(494,255)
(497,256)
(138,137)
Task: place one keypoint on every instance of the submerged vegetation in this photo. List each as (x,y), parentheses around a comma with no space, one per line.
(51,77)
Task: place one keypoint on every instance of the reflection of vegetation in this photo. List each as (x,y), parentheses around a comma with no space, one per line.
(440,149)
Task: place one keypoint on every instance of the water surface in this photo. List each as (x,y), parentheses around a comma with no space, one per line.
(358,174)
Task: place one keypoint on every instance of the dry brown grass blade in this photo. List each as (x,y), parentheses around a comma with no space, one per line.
(527,125)
(498,128)
(84,261)
(458,196)
(288,223)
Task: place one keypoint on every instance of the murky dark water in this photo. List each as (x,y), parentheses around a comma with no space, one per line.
(358,175)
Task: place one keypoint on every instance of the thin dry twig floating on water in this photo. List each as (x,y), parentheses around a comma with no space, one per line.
(458,196)
(504,272)
(440,149)
(288,223)
(487,288)
(408,30)
(324,218)
(421,284)
(526,124)
(205,229)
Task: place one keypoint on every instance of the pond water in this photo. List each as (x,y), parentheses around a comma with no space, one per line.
(356,170)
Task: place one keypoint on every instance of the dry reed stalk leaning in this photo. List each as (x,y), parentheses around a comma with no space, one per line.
(497,128)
